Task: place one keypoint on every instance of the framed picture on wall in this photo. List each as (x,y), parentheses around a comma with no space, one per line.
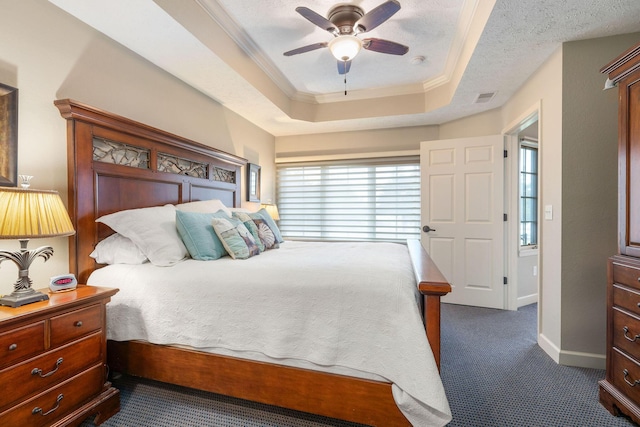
(253,182)
(8,136)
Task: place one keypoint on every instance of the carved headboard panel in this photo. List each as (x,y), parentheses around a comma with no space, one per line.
(115,163)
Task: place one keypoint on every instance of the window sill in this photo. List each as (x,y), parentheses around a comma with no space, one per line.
(528,251)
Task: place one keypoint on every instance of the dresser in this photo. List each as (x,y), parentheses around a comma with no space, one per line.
(620,390)
(53,368)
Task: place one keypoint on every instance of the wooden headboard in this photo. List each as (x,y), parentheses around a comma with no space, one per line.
(115,163)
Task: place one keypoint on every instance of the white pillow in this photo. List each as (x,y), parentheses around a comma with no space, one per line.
(242,210)
(152,230)
(117,249)
(204,206)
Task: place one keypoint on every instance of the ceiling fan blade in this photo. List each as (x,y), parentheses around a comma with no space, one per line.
(384,46)
(344,67)
(316,19)
(307,48)
(377,16)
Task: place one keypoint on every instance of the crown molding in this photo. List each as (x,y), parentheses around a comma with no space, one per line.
(246,43)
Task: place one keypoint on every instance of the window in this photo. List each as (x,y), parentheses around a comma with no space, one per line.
(373,200)
(528,193)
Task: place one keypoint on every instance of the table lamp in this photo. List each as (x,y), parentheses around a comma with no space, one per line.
(29,214)
(272,210)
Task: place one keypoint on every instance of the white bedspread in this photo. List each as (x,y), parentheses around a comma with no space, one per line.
(349,305)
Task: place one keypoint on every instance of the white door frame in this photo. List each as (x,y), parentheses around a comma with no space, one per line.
(512,246)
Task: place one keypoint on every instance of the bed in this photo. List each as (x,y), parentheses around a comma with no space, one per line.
(152,168)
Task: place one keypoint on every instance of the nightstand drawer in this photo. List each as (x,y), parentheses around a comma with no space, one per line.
(21,343)
(626,275)
(48,407)
(53,367)
(75,324)
(625,374)
(627,298)
(626,333)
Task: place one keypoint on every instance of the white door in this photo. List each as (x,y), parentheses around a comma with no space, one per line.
(462,202)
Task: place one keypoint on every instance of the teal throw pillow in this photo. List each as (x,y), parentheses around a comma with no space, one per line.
(198,235)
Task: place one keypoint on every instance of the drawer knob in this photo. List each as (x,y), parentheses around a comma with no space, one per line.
(626,330)
(13,347)
(38,371)
(78,324)
(37,410)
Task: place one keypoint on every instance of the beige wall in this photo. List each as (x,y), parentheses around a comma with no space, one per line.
(353,144)
(49,55)
(482,124)
(589,189)
(544,89)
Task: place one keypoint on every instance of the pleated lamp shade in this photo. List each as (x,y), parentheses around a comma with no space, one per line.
(30,214)
(272,210)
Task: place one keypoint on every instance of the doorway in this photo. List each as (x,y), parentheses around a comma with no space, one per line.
(500,268)
(523,194)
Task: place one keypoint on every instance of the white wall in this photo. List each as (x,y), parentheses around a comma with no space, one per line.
(527,279)
(48,55)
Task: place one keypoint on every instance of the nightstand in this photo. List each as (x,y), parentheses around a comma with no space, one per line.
(53,360)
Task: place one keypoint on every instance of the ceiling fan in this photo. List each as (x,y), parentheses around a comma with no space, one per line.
(346,22)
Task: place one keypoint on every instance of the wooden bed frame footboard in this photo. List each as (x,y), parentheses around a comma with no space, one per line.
(432,285)
(97,188)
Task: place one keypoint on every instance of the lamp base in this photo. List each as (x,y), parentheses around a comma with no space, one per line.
(23,297)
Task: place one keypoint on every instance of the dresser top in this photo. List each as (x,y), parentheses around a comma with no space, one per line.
(81,295)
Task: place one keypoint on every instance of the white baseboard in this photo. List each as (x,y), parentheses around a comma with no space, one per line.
(549,348)
(572,358)
(583,360)
(527,299)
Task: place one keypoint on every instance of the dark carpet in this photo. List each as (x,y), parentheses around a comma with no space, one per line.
(493,371)
(495,374)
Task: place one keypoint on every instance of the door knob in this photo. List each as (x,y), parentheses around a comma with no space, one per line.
(427,229)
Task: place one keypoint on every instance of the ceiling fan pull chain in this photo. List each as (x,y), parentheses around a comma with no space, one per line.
(345,78)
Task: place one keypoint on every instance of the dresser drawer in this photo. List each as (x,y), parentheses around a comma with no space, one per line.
(75,324)
(44,371)
(626,275)
(48,407)
(21,343)
(626,333)
(627,298)
(625,374)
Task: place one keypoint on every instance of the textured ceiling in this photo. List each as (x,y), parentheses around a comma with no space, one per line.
(316,72)
(231,50)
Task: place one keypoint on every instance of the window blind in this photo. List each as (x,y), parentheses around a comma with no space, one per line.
(365,200)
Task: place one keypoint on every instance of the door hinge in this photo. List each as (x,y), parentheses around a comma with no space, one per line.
(506,154)
(504,280)
(504,217)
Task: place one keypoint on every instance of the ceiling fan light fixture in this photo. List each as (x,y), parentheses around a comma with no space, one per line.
(346,47)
